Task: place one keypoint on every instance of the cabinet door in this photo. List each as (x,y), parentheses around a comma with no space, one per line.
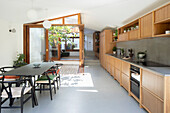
(118,75)
(118,64)
(153,82)
(123,37)
(151,102)
(146,26)
(125,81)
(162,14)
(112,69)
(125,68)
(133,35)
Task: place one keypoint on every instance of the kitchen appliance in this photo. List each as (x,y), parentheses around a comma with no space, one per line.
(135,80)
(141,56)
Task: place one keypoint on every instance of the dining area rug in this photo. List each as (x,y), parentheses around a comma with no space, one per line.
(77,80)
(69,69)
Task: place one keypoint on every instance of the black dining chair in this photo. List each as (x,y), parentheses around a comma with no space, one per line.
(10,92)
(49,79)
(6,77)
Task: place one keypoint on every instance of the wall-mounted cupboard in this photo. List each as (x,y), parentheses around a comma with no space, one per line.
(153,24)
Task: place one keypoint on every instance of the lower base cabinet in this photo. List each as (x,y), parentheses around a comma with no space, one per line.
(152,103)
(125,81)
(117,75)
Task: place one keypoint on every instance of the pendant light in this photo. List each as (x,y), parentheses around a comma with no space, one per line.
(32,13)
(46,23)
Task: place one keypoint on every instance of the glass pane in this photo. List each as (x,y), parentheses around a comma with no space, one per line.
(62,44)
(58,21)
(37,45)
(76,44)
(71,20)
(53,47)
(69,44)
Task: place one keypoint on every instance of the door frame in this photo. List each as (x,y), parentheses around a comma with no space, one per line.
(26,43)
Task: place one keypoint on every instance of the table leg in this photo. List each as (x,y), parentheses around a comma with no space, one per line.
(34,95)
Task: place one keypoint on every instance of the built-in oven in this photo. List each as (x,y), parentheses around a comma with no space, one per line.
(135,80)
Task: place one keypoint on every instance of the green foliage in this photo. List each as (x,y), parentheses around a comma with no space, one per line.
(122,50)
(114,48)
(116,32)
(59,34)
(20,60)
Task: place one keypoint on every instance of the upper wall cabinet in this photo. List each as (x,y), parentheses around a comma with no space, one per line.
(153,24)
(129,31)
(162,15)
(162,21)
(146,26)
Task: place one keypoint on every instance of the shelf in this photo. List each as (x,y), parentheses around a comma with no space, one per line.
(163,21)
(162,35)
(114,36)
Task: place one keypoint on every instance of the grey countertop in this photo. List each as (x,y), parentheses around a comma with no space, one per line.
(165,71)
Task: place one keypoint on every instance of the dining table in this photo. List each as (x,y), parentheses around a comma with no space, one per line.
(29,71)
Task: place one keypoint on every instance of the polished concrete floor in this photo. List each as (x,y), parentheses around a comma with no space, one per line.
(106,96)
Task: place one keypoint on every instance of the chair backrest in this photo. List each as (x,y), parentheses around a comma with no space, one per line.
(6,85)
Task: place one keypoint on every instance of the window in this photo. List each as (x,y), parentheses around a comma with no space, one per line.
(71,20)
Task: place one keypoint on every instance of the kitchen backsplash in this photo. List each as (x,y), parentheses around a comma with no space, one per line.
(158,49)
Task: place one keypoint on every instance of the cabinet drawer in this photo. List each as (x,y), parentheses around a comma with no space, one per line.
(125,68)
(117,75)
(125,81)
(153,104)
(153,82)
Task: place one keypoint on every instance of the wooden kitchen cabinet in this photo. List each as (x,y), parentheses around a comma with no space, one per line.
(118,64)
(125,81)
(150,102)
(146,25)
(154,83)
(106,46)
(162,14)
(118,75)
(125,68)
(123,37)
(134,34)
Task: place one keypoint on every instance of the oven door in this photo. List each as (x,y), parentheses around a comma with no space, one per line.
(135,87)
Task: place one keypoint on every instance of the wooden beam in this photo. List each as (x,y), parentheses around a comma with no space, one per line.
(53,19)
(79,18)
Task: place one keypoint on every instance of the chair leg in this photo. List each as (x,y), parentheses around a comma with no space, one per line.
(32,98)
(54,87)
(0,104)
(57,84)
(50,91)
(21,104)
(40,88)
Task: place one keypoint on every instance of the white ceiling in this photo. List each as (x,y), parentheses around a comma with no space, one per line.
(96,14)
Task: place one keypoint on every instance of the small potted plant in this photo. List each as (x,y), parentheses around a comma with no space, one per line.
(114,50)
(122,52)
(125,30)
(20,61)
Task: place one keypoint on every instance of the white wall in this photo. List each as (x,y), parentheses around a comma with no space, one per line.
(88,43)
(10,43)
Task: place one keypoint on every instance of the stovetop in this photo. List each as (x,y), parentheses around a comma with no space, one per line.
(150,64)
